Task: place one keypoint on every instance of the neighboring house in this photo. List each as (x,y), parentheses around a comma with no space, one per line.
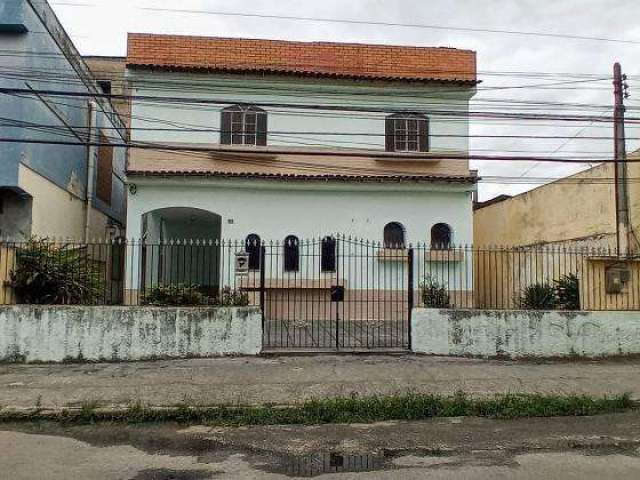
(564,227)
(578,211)
(109,73)
(49,189)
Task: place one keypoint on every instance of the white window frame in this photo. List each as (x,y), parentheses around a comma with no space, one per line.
(244,112)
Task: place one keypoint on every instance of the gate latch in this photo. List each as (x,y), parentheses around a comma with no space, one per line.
(337,293)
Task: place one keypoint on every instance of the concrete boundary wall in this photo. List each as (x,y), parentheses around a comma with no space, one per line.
(72,333)
(522,334)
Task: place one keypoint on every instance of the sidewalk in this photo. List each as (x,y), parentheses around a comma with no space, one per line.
(282,380)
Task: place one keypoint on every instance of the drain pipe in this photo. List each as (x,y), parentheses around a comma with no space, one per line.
(91,167)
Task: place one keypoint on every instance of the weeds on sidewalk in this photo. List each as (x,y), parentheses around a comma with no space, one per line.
(345,410)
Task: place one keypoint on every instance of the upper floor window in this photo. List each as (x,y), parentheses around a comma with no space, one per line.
(441,236)
(252,245)
(394,235)
(291,254)
(243,125)
(407,133)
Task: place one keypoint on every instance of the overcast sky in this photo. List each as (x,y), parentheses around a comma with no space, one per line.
(99,27)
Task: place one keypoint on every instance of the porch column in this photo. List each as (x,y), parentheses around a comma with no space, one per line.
(133,254)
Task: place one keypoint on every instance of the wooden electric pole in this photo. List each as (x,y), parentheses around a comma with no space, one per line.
(623,228)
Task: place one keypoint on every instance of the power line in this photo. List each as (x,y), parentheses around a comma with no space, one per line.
(316,107)
(282,139)
(9,121)
(291,91)
(310,142)
(298,165)
(372,23)
(305,166)
(337,153)
(501,73)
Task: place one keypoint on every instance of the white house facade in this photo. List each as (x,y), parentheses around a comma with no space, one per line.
(322,148)
(282,143)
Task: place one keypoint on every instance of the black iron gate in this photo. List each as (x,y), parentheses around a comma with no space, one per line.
(336,294)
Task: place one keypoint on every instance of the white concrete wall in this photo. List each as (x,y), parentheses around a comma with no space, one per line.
(368,127)
(57,333)
(311,210)
(521,334)
(274,210)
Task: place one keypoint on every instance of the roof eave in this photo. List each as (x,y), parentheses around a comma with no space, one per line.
(462,179)
(296,73)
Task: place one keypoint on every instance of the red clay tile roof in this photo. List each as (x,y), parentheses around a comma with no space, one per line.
(345,60)
(468,179)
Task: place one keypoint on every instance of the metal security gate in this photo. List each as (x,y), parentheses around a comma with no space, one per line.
(336,294)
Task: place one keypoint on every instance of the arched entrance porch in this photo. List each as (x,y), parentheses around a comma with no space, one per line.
(181,248)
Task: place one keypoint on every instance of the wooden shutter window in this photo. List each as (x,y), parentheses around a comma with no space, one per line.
(390,142)
(104,171)
(225,127)
(423,135)
(261,138)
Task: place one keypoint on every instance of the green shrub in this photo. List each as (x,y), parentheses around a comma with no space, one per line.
(234,298)
(175,295)
(538,296)
(50,274)
(567,292)
(192,295)
(434,294)
(563,294)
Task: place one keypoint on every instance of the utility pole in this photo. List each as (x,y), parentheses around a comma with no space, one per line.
(623,228)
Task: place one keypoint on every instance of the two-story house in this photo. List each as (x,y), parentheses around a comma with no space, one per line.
(303,139)
(280,141)
(63,156)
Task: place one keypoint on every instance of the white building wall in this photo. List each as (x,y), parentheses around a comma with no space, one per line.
(274,209)
(179,120)
(311,210)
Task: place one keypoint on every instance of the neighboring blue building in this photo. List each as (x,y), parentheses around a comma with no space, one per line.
(46,189)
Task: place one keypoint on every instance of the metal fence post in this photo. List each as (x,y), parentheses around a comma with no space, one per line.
(263,256)
(410,288)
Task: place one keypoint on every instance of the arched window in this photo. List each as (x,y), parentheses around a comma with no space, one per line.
(252,245)
(291,254)
(328,259)
(394,235)
(441,236)
(407,133)
(243,125)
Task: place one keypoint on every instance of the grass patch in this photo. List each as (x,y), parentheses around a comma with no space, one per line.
(346,410)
